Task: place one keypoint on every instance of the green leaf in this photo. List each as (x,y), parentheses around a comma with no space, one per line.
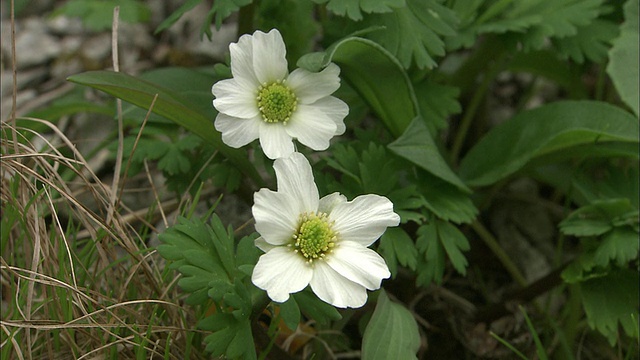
(231,337)
(591,42)
(530,23)
(547,129)
(445,200)
(454,243)
(620,245)
(315,308)
(176,15)
(623,64)
(376,75)
(435,239)
(97,15)
(612,300)
(398,247)
(221,10)
(596,218)
(417,145)
(432,264)
(437,102)
(352,8)
(413,33)
(169,104)
(188,244)
(290,313)
(392,332)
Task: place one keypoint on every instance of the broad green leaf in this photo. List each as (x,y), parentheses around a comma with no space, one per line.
(417,145)
(414,33)
(437,102)
(374,73)
(290,313)
(315,308)
(545,130)
(392,332)
(612,300)
(169,104)
(354,8)
(624,58)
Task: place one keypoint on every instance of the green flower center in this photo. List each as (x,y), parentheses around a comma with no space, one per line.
(314,237)
(276,102)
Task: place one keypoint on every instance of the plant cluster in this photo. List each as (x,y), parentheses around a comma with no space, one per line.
(399,183)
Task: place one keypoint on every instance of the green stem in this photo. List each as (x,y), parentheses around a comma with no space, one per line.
(497,250)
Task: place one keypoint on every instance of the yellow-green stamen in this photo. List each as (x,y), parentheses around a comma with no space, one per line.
(314,237)
(276,102)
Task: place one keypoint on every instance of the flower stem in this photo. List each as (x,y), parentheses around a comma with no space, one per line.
(245,19)
(497,250)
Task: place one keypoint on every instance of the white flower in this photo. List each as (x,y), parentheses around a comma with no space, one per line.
(318,242)
(264,101)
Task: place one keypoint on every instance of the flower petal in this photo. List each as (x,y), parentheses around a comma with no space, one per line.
(335,109)
(296,179)
(335,289)
(263,245)
(276,216)
(328,202)
(311,127)
(358,264)
(281,272)
(364,219)
(275,141)
(269,62)
(310,87)
(242,62)
(235,100)
(237,132)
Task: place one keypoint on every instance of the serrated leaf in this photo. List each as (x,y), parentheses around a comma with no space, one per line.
(454,243)
(413,33)
(221,10)
(398,247)
(591,42)
(392,332)
(445,200)
(612,300)
(545,130)
(431,267)
(417,145)
(374,73)
(170,105)
(596,218)
(352,8)
(231,337)
(620,245)
(531,22)
(437,102)
(624,58)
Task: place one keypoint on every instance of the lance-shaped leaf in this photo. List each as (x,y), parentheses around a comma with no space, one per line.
(623,67)
(549,129)
(169,104)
